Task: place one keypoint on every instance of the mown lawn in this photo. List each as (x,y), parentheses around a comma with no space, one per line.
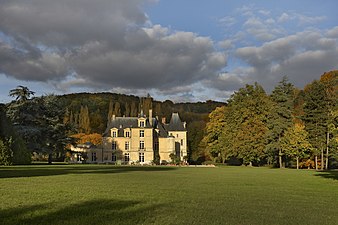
(103,194)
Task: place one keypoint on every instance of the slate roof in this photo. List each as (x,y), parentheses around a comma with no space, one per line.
(122,123)
(175,123)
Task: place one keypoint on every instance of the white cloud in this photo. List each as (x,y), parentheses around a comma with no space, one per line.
(227,21)
(284,18)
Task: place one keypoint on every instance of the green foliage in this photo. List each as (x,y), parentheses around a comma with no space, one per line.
(315,115)
(279,120)
(14,148)
(6,154)
(239,129)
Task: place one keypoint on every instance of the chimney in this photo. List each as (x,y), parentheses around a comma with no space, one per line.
(163,120)
(113,117)
(151,117)
(185,125)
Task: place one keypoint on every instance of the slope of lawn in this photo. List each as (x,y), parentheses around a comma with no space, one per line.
(104,194)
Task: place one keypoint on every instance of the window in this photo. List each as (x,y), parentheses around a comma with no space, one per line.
(141,145)
(181,142)
(126,157)
(127,134)
(114,134)
(141,123)
(93,156)
(141,157)
(141,133)
(113,157)
(126,145)
(114,145)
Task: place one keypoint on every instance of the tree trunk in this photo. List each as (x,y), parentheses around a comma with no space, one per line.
(50,158)
(316,162)
(280,159)
(327,150)
(297,162)
(322,160)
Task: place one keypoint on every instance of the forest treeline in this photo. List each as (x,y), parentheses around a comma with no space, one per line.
(48,124)
(288,128)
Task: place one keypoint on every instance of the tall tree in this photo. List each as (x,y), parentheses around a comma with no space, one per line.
(213,132)
(316,118)
(330,82)
(84,120)
(280,119)
(295,143)
(239,129)
(21,93)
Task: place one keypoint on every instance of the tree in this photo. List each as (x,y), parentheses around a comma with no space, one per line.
(84,120)
(213,131)
(295,143)
(21,93)
(13,148)
(6,154)
(239,129)
(280,118)
(315,118)
(330,82)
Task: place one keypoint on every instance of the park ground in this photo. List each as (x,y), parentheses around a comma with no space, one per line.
(105,194)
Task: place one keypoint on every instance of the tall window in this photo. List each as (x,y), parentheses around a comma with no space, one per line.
(141,133)
(114,145)
(127,134)
(141,157)
(141,145)
(93,156)
(141,123)
(126,145)
(113,157)
(114,134)
(126,157)
(181,142)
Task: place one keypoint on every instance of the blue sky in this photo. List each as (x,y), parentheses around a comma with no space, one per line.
(178,50)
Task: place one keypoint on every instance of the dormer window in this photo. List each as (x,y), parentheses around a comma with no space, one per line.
(114,133)
(141,122)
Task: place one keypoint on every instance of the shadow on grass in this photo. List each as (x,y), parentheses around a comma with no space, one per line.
(90,212)
(333,174)
(52,170)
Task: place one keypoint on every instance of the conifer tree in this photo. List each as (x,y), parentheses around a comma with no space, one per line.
(280,119)
(315,118)
(84,122)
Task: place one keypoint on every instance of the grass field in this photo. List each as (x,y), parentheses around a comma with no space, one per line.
(103,194)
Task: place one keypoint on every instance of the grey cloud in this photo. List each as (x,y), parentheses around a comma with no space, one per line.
(303,57)
(107,44)
(31,65)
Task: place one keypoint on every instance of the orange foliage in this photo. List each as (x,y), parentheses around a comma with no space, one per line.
(82,138)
